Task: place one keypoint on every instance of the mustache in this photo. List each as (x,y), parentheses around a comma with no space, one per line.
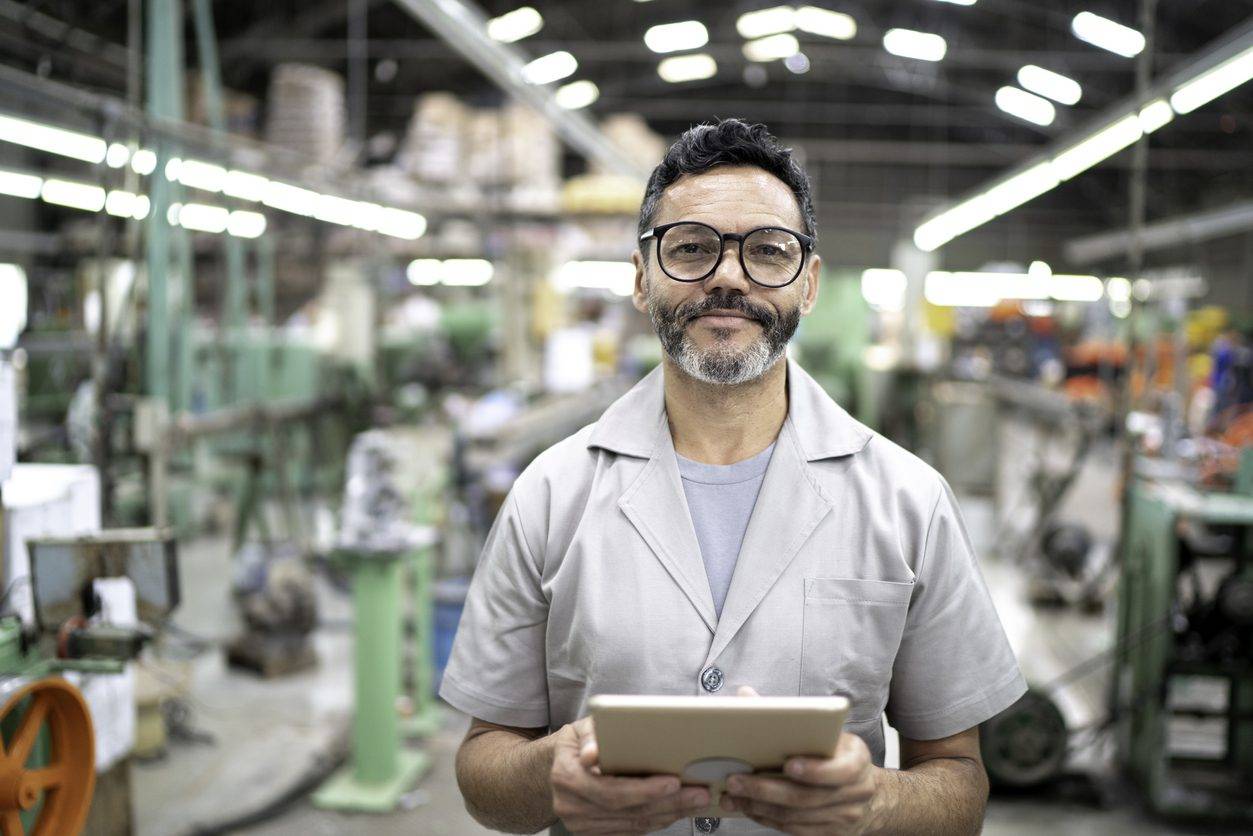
(686,313)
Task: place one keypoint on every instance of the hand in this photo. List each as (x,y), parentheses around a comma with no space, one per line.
(588,802)
(817,798)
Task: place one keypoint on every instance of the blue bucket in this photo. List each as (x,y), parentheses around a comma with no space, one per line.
(450,600)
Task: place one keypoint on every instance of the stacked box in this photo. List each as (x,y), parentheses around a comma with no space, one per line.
(432,149)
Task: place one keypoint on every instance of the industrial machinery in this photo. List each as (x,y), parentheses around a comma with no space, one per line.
(48,774)
(376,540)
(1183,678)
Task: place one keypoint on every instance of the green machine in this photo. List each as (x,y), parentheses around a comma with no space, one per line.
(379,545)
(1183,679)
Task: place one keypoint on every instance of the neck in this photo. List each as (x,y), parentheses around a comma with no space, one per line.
(718,424)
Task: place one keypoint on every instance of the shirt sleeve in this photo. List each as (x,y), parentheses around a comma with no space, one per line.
(954,668)
(497,669)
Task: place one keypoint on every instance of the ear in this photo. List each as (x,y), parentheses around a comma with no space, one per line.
(639,298)
(813,272)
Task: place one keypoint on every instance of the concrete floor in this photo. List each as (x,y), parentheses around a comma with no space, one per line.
(268,731)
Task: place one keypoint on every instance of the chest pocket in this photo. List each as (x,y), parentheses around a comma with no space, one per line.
(852,629)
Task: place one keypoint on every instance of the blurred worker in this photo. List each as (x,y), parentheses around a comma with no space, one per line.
(726,526)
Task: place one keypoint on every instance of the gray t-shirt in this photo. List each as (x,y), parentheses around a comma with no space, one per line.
(720,498)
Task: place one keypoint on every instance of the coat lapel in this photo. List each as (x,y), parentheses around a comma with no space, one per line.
(635,425)
(657,506)
(789,507)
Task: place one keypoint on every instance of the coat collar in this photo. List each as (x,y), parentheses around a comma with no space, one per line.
(824,430)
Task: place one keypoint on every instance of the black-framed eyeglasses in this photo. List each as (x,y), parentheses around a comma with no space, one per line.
(690,251)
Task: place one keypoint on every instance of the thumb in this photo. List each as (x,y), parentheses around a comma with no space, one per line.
(746,691)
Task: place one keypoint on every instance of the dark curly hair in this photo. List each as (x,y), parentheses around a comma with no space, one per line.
(727,142)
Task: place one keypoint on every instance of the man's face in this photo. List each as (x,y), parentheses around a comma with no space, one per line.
(725,329)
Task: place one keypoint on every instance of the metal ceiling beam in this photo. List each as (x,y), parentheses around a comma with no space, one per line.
(1163,234)
(463,26)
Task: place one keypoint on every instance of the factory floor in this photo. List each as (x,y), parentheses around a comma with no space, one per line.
(268,734)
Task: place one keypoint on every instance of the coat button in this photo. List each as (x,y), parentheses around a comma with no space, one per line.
(708,824)
(711,679)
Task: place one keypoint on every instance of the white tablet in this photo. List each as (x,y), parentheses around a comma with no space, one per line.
(706,739)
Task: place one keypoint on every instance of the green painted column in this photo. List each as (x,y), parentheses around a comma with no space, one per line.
(376,590)
(380,771)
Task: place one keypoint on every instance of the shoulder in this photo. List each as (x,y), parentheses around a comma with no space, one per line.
(562,471)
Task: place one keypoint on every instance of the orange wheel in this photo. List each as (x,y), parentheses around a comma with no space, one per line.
(48,771)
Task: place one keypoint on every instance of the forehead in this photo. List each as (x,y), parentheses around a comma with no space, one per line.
(730,197)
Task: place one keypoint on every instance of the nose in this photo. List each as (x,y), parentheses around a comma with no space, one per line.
(730,274)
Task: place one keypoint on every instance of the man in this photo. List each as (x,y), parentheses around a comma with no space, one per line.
(725,527)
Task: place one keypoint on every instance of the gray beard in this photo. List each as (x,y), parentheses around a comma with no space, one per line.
(720,365)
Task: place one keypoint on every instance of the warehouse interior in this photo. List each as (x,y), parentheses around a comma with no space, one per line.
(292,292)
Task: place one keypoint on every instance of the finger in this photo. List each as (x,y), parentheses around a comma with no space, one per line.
(780,791)
(688,802)
(613,793)
(783,813)
(850,764)
(589,753)
(746,691)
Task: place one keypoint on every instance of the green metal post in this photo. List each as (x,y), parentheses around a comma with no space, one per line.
(380,772)
(425,720)
(233,301)
(161,32)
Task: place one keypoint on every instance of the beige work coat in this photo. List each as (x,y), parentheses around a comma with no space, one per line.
(855,577)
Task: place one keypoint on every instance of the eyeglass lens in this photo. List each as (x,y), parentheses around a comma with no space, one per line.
(690,251)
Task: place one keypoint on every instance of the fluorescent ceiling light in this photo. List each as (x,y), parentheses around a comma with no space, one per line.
(423,272)
(1025,106)
(245,224)
(466,272)
(1101,145)
(959,290)
(13,291)
(369,216)
(687,68)
(201,175)
(143,161)
(401,223)
(89,149)
(676,37)
(1076,288)
(826,23)
(551,67)
(117,155)
(171,213)
(1155,114)
(884,290)
(1022,187)
(123,204)
(959,2)
(1118,289)
(1106,34)
(618,277)
(577,94)
(336,210)
(203,218)
(1052,85)
(764,22)
(172,168)
(17,184)
(522,22)
(907,43)
(771,48)
(1213,83)
(244,186)
(289,198)
(83,196)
